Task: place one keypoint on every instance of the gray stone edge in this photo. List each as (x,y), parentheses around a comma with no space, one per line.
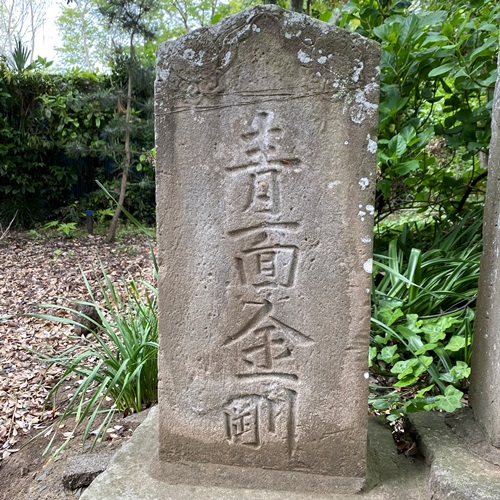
(81,470)
(455,471)
(128,478)
(134,459)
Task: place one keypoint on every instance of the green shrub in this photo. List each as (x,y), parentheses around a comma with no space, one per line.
(423,314)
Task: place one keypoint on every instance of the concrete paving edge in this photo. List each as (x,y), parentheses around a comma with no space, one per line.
(127,477)
(456,471)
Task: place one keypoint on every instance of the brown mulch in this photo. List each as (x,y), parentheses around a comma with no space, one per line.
(36,270)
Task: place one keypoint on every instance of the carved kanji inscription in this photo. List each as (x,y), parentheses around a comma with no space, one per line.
(254,419)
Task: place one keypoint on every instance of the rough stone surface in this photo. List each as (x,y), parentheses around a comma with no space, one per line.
(464,426)
(266,153)
(127,478)
(457,471)
(83,469)
(484,394)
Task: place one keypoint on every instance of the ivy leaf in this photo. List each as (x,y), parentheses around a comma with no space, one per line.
(388,315)
(451,400)
(458,372)
(436,330)
(455,344)
(405,367)
(425,348)
(389,354)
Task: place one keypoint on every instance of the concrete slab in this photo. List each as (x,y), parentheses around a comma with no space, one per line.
(459,456)
(128,478)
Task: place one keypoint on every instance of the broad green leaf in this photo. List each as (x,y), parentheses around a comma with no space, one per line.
(415,344)
(379,340)
(405,367)
(491,28)
(407,166)
(413,323)
(435,39)
(406,332)
(408,133)
(425,348)
(389,354)
(421,392)
(407,380)
(436,330)
(457,373)
(397,146)
(325,17)
(425,360)
(385,187)
(389,315)
(216,18)
(442,70)
(380,404)
(451,400)
(455,344)
(490,42)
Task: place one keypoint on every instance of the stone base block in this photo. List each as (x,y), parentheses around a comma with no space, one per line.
(128,476)
(83,469)
(213,475)
(463,465)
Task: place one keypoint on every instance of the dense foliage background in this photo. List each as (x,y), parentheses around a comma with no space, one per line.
(90,119)
(60,132)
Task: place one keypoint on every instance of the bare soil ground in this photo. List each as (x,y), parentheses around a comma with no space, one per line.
(36,270)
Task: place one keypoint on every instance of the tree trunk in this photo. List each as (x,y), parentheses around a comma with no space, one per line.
(297,5)
(84,38)
(33,32)
(483,160)
(10,30)
(110,238)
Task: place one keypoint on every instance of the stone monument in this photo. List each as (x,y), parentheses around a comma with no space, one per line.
(484,395)
(266,154)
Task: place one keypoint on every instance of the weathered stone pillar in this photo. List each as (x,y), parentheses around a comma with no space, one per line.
(266,152)
(484,395)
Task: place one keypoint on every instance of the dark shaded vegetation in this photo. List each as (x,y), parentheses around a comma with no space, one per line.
(59,133)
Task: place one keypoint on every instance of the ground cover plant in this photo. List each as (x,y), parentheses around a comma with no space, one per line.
(39,269)
(423,315)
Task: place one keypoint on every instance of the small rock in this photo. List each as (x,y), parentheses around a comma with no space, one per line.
(83,469)
(87,317)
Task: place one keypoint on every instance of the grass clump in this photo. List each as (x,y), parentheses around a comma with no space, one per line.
(116,368)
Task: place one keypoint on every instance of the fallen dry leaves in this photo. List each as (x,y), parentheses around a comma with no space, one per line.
(35,271)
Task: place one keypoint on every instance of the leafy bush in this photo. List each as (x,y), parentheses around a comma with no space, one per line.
(423,319)
(59,133)
(438,70)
